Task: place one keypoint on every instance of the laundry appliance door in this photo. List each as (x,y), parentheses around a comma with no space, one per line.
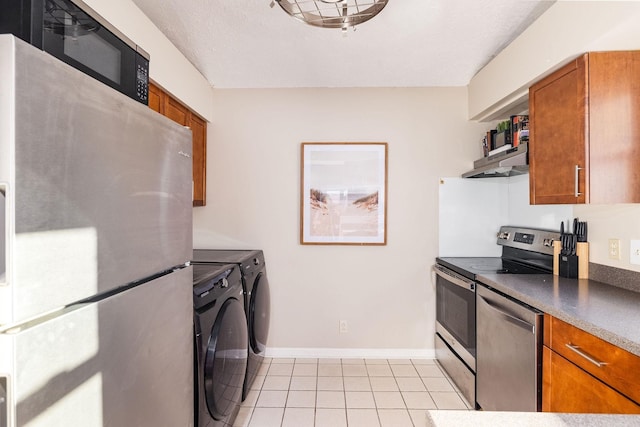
(226,360)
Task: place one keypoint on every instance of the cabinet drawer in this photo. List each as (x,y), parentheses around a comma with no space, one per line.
(567,388)
(607,362)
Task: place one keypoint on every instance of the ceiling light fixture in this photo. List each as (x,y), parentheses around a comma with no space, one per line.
(332,13)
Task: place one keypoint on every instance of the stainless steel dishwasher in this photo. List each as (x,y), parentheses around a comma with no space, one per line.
(509,353)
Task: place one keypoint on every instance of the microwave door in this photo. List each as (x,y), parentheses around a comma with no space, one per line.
(78,39)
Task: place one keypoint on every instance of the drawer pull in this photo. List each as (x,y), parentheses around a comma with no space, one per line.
(577,350)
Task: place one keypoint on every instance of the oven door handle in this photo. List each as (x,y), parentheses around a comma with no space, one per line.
(508,317)
(463,283)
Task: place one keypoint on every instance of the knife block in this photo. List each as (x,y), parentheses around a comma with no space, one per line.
(582,251)
(574,266)
(568,266)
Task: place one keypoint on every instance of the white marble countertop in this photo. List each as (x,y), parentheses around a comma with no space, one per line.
(606,311)
(438,418)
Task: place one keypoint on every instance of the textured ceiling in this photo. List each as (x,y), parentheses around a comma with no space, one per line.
(247,44)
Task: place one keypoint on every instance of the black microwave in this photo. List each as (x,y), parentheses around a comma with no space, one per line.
(74,33)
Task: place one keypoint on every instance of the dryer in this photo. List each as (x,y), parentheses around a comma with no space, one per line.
(257,299)
(220,344)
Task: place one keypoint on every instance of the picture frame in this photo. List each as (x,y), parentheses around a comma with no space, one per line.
(343,193)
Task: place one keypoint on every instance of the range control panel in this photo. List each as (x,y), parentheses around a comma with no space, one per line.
(531,239)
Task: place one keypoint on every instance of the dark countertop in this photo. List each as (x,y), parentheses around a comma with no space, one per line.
(606,311)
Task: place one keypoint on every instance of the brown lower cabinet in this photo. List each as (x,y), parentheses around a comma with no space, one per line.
(584,374)
(163,103)
(568,388)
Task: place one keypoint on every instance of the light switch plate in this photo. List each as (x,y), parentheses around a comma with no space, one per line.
(634,252)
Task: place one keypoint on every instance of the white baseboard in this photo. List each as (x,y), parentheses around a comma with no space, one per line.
(351,353)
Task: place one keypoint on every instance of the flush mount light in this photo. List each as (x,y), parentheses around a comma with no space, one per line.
(332,13)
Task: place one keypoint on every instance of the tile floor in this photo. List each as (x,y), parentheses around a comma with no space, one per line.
(347,393)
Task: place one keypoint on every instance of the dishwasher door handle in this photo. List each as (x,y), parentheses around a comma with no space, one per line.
(508,317)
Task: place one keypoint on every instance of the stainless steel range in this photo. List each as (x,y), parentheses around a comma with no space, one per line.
(458,315)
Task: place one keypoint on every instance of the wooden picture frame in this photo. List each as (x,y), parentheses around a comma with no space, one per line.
(343,196)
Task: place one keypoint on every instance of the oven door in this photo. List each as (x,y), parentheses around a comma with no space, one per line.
(456,313)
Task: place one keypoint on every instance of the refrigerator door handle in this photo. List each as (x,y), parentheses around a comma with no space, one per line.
(4,398)
(4,239)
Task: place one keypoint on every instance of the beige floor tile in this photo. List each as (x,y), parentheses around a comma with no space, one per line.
(329,361)
(330,384)
(410,384)
(379,371)
(448,400)
(286,360)
(431,371)
(357,384)
(354,371)
(383,384)
(394,418)
(419,418)
(329,370)
(264,369)
(252,398)
(418,400)
(389,400)
(437,384)
(376,361)
(257,382)
(272,399)
(303,383)
(243,417)
(331,417)
(362,418)
(330,399)
(353,361)
(266,417)
(423,361)
(299,417)
(404,371)
(282,369)
(305,370)
(360,399)
(306,360)
(301,399)
(399,361)
(272,382)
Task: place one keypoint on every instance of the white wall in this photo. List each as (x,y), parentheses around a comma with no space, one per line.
(472,211)
(565,30)
(168,67)
(253,183)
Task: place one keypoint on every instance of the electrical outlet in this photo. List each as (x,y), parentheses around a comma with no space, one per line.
(614,249)
(344,328)
(634,252)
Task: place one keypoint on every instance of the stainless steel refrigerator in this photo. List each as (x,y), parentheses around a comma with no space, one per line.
(95,283)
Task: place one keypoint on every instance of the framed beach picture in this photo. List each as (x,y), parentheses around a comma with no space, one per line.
(343,197)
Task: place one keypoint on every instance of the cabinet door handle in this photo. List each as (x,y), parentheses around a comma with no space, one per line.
(577,193)
(576,349)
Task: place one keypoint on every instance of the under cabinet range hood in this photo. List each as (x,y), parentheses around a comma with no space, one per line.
(511,162)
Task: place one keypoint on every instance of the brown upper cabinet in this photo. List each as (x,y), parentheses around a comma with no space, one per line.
(584,122)
(168,106)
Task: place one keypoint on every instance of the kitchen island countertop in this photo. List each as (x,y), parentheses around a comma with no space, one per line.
(606,311)
(439,418)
